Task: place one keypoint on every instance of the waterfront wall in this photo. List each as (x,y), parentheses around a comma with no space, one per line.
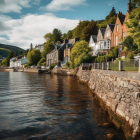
(120,94)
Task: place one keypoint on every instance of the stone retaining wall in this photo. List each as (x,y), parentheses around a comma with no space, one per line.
(121,95)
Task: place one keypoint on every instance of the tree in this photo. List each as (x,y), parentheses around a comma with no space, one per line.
(64,36)
(34,56)
(134,26)
(48,36)
(47,48)
(129,43)
(15,53)
(90,29)
(136,2)
(10,55)
(56,35)
(69,34)
(80,54)
(21,52)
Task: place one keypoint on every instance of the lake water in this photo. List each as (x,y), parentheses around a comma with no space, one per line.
(49,107)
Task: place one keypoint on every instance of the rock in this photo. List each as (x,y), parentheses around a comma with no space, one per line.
(106,125)
(116,90)
(113,95)
(121,83)
(136,89)
(118,97)
(93,87)
(125,84)
(121,91)
(109,102)
(127,100)
(136,95)
(120,110)
(116,124)
(114,106)
(127,118)
(130,86)
(110,136)
(131,122)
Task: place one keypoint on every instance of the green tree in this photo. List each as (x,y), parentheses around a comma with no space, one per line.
(136,2)
(80,54)
(15,53)
(49,35)
(90,29)
(129,43)
(57,35)
(69,34)
(47,48)
(10,55)
(34,56)
(21,52)
(41,62)
(64,36)
(134,26)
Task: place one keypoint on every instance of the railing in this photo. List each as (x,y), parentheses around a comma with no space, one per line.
(125,65)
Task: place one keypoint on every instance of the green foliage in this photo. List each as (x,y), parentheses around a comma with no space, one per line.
(80,54)
(69,34)
(134,26)
(136,2)
(115,118)
(80,27)
(10,55)
(41,62)
(49,35)
(47,48)
(129,43)
(110,19)
(52,66)
(21,52)
(64,36)
(59,63)
(112,54)
(3,63)
(27,65)
(56,35)
(125,49)
(130,55)
(34,56)
(90,29)
(67,65)
(129,138)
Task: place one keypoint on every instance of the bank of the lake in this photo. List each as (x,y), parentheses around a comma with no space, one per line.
(49,107)
(117,95)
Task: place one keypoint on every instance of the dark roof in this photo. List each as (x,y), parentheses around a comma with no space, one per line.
(94,37)
(122,18)
(111,26)
(102,31)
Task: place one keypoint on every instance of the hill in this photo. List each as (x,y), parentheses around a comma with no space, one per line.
(5,49)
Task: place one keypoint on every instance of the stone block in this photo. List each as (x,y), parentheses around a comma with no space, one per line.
(109,102)
(131,122)
(121,83)
(120,110)
(118,97)
(125,84)
(116,90)
(136,89)
(136,95)
(130,86)
(113,95)
(114,105)
(122,91)
(127,100)
(127,118)
(93,87)
(104,97)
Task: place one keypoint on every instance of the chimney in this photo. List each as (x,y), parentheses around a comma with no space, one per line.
(129,6)
(66,41)
(76,39)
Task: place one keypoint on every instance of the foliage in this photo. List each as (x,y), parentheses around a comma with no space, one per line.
(90,29)
(136,2)
(69,34)
(80,54)
(64,36)
(3,63)
(56,35)
(59,63)
(41,62)
(49,35)
(48,47)
(110,19)
(125,49)
(67,65)
(15,53)
(27,65)
(130,55)
(21,52)
(129,43)
(34,56)
(52,66)
(80,27)
(134,26)
(112,55)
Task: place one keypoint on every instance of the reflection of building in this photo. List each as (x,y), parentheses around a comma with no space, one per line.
(18,63)
(40,47)
(60,52)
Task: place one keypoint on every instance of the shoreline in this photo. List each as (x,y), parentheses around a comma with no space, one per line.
(125,124)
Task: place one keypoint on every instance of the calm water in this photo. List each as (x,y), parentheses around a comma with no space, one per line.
(49,107)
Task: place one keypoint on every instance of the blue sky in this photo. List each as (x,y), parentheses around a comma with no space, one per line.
(23,22)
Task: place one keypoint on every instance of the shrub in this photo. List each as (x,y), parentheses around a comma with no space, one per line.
(130,55)
(41,62)
(52,66)
(59,62)
(27,65)
(67,65)
(125,49)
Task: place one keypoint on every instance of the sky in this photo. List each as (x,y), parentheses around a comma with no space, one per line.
(23,22)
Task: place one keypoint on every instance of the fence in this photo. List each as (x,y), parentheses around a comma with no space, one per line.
(125,65)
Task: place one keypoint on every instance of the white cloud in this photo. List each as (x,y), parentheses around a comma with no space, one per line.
(112,3)
(62,5)
(31,28)
(7,6)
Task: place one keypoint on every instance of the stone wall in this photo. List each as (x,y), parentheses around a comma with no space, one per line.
(120,94)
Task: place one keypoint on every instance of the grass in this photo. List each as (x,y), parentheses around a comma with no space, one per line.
(115,118)
(114,66)
(4,49)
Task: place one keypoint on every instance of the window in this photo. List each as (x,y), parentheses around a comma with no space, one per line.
(116,40)
(117,27)
(108,44)
(105,44)
(66,52)
(107,33)
(123,36)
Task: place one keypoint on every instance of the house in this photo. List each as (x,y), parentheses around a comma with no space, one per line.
(57,54)
(18,63)
(120,29)
(68,48)
(40,47)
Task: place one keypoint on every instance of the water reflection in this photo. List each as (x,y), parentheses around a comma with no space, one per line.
(49,107)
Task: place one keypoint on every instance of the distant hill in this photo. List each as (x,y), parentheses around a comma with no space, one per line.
(4,49)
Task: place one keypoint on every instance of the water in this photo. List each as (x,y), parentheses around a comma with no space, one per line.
(49,107)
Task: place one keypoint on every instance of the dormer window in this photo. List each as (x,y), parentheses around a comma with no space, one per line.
(107,33)
(117,27)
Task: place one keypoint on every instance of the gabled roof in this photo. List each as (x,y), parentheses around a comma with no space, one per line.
(102,31)
(111,26)
(121,18)
(94,37)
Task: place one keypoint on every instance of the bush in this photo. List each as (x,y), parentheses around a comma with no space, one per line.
(130,55)
(67,65)
(52,66)
(41,62)
(59,62)
(27,65)
(125,49)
